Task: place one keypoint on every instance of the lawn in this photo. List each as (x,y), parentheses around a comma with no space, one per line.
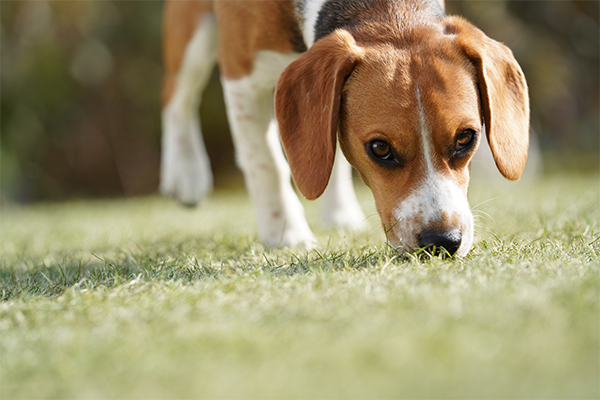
(140,298)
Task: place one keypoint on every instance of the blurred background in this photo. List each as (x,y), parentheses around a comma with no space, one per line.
(80,92)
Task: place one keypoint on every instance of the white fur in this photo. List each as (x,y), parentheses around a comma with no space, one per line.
(425,142)
(340,206)
(434,198)
(311,15)
(185,166)
(249,100)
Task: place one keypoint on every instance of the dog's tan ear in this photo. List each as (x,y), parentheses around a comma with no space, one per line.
(504,96)
(307,107)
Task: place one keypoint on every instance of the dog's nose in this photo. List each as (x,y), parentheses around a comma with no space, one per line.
(434,240)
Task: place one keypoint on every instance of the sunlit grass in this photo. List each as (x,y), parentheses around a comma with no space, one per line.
(141,298)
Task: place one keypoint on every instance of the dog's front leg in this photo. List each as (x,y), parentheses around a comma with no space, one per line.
(340,207)
(279,213)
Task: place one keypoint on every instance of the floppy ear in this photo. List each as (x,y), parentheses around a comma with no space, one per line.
(307,107)
(504,96)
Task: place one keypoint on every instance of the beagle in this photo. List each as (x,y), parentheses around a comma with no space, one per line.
(402,88)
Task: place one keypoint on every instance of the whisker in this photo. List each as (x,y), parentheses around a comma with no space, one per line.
(367,217)
(371,215)
(477,234)
(483,213)
(487,201)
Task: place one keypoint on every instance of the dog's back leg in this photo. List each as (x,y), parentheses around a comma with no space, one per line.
(190,46)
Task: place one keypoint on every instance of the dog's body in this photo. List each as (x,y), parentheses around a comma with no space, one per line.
(402,88)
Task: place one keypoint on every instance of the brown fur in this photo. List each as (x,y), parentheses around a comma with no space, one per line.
(180,21)
(504,97)
(449,99)
(246,27)
(452,61)
(307,105)
(363,80)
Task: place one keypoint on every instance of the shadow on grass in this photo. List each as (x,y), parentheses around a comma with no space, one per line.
(36,277)
(192,260)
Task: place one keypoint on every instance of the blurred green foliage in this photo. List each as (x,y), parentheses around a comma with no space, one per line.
(80,85)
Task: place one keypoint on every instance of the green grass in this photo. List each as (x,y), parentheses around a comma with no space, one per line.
(143,299)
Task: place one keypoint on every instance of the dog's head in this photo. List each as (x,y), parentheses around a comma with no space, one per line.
(410,114)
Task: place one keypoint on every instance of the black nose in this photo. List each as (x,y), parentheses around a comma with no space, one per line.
(434,241)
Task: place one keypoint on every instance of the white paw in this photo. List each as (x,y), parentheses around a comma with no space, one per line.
(289,236)
(298,237)
(349,218)
(188,179)
(340,208)
(286,227)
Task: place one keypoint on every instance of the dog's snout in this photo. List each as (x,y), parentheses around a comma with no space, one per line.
(434,240)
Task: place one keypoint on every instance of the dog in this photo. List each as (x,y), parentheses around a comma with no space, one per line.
(394,88)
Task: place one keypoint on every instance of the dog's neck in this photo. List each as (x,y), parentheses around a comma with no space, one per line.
(318,18)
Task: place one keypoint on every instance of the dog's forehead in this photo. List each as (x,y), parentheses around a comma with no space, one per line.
(390,81)
(383,71)
(378,96)
(392,86)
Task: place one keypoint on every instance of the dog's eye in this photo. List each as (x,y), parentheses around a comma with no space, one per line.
(381,150)
(465,140)
(383,154)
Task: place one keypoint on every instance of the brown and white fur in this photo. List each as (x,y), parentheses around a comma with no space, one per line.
(365,74)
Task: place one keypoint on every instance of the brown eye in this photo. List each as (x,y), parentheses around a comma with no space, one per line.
(465,140)
(383,154)
(381,150)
